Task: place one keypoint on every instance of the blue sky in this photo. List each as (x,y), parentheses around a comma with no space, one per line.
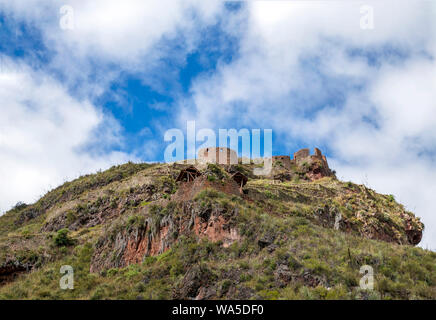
(75,101)
(139,101)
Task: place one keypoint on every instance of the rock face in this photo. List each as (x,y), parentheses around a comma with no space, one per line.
(10,269)
(195,285)
(282,161)
(215,225)
(150,236)
(413,228)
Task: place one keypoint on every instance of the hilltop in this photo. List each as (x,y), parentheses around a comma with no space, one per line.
(215,231)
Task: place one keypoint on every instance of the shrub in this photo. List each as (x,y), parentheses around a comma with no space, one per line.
(244,265)
(19,206)
(62,239)
(225,286)
(215,169)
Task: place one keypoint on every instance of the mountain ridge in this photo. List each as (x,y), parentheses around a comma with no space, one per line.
(216,232)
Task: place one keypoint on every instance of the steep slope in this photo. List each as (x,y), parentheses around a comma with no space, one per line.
(214,232)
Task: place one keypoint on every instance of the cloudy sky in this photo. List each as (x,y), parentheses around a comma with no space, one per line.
(97,83)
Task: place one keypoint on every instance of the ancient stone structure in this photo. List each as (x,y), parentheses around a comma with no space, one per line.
(219,155)
(301,155)
(304,155)
(282,161)
(316,165)
(188,174)
(240,179)
(192,181)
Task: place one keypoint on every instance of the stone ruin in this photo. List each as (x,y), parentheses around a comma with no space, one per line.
(189,174)
(316,165)
(226,156)
(300,157)
(193,181)
(304,155)
(282,161)
(221,155)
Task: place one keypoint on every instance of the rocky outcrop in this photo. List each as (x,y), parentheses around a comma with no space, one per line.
(214,226)
(28,214)
(154,231)
(373,225)
(356,210)
(11,269)
(196,284)
(413,229)
(130,244)
(282,161)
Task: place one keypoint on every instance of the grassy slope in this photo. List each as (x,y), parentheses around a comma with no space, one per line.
(332,257)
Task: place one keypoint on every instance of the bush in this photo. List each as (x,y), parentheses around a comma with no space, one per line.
(19,206)
(62,239)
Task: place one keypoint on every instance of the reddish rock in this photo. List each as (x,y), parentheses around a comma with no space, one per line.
(129,247)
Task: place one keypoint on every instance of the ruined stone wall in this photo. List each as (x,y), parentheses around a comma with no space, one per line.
(284,161)
(303,155)
(318,155)
(316,164)
(217,155)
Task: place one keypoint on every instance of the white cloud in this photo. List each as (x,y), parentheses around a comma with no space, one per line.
(43,135)
(125,31)
(407,95)
(111,37)
(281,33)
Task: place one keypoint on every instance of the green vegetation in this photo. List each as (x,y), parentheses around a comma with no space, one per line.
(215,172)
(62,239)
(319,258)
